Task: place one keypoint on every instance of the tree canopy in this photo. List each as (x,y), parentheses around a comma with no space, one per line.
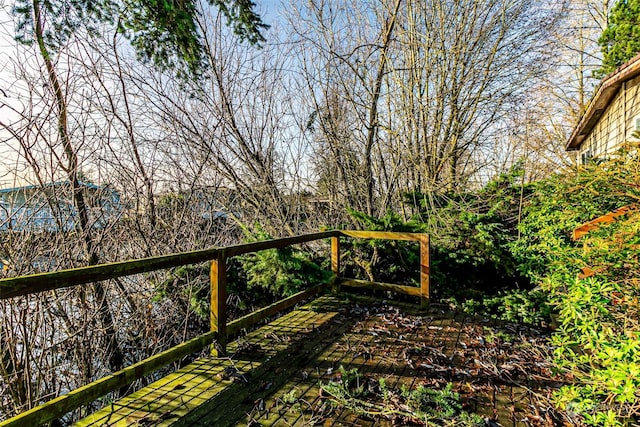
(620,41)
(165,32)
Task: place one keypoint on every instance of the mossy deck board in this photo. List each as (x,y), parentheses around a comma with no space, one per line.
(279,367)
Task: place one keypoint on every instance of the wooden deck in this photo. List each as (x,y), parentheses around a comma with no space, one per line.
(272,376)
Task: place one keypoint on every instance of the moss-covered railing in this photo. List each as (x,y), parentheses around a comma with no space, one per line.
(220,329)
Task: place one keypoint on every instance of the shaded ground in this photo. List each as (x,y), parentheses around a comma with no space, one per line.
(499,370)
(274,375)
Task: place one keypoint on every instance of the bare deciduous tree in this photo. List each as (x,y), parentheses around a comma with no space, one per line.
(416,102)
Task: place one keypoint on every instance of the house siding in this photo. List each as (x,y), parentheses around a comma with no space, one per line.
(616,125)
(50,208)
(633,107)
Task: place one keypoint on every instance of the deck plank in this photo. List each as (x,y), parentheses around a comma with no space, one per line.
(279,368)
(177,398)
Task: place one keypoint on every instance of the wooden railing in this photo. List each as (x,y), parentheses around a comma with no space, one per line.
(220,329)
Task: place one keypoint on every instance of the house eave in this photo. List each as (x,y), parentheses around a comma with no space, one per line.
(605,93)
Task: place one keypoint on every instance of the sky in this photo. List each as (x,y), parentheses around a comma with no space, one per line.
(268,9)
(7,91)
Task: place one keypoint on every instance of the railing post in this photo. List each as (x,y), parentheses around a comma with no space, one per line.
(335,261)
(424,269)
(218,277)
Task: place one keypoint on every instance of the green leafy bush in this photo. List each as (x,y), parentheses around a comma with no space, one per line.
(594,284)
(383,260)
(561,203)
(281,272)
(596,290)
(523,306)
(470,235)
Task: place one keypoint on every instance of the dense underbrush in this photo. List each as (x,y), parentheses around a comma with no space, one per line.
(507,251)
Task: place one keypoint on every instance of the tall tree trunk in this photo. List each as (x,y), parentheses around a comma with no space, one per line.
(372,126)
(83,226)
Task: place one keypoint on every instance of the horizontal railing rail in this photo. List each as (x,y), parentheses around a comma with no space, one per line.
(25,285)
(423,291)
(220,330)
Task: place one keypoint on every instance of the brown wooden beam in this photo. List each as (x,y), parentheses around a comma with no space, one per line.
(24,285)
(277,243)
(425,270)
(607,218)
(384,235)
(335,261)
(335,255)
(218,273)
